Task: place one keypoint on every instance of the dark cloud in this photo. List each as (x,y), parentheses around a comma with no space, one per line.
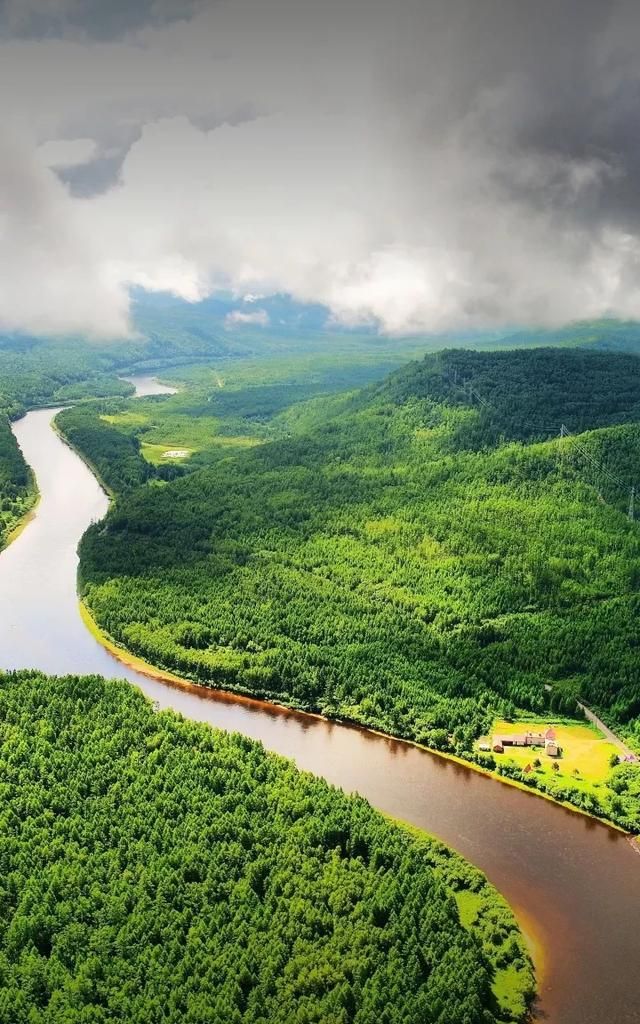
(95,176)
(424,164)
(95,19)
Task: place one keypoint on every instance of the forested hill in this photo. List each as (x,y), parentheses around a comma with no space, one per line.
(524,395)
(38,372)
(377,568)
(154,869)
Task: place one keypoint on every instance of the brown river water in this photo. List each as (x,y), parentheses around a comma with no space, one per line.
(574,882)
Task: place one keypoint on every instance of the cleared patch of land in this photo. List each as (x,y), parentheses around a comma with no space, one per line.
(169,437)
(125,419)
(157,454)
(585,758)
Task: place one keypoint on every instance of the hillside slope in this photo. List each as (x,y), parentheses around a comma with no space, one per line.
(401,565)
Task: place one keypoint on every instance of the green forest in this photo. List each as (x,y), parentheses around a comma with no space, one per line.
(153,868)
(39,372)
(17,488)
(113,455)
(419,556)
(421,553)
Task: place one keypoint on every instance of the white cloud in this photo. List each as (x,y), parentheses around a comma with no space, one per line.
(63,153)
(431,165)
(259,318)
(56,277)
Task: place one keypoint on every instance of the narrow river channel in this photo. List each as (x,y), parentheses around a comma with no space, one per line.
(574,882)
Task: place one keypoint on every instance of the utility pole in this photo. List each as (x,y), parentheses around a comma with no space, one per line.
(632,498)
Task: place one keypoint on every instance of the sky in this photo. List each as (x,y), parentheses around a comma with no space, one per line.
(421,165)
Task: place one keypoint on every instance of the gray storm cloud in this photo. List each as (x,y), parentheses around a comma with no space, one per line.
(421,166)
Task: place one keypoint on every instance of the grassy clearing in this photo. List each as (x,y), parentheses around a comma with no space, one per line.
(469,906)
(509,988)
(157,455)
(159,429)
(125,419)
(512,985)
(586,754)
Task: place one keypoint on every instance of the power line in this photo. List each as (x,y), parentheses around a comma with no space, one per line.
(471,394)
(466,388)
(598,466)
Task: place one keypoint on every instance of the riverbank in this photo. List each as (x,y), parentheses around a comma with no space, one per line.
(83,458)
(163,675)
(576,879)
(479,904)
(513,990)
(23,522)
(534,941)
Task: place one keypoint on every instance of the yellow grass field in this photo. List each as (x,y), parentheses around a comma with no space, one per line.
(155,453)
(584,750)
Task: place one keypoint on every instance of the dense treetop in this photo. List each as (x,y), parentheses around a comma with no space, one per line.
(396,561)
(114,456)
(419,556)
(39,373)
(153,869)
(525,395)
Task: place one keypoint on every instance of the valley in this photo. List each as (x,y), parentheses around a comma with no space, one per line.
(545,873)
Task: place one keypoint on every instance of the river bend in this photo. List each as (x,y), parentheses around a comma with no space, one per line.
(575,882)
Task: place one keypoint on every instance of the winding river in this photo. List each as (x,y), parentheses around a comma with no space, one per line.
(574,883)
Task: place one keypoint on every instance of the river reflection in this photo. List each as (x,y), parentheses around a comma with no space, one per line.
(575,882)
